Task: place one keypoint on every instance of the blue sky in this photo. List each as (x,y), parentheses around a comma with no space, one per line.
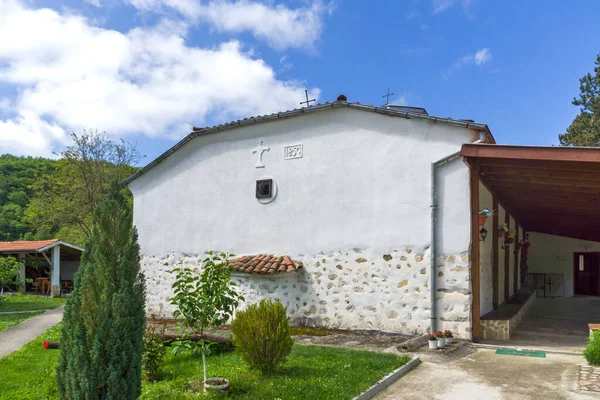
(148,70)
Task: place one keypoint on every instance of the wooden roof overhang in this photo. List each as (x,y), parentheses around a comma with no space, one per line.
(554,190)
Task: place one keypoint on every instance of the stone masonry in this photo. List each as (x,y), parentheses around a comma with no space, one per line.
(354,289)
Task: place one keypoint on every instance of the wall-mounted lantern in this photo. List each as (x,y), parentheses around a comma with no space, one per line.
(482,234)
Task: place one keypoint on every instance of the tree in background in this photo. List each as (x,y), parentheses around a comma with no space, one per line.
(17,176)
(103,323)
(9,273)
(65,204)
(585,128)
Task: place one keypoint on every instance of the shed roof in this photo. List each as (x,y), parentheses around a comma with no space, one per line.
(467,124)
(37,246)
(265,264)
(554,190)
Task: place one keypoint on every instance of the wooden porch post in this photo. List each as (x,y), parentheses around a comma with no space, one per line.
(475,306)
(516,254)
(495,252)
(506,258)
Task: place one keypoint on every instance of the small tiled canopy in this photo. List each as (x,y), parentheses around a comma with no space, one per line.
(265,264)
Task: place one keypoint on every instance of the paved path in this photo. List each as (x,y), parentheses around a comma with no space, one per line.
(19,335)
(487,376)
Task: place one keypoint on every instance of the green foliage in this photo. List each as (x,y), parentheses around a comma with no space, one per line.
(262,335)
(9,272)
(42,199)
(8,320)
(585,128)
(17,176)
(154,349)
(23,302)
(592,350)
(103,323)
(204,300)
(310,372)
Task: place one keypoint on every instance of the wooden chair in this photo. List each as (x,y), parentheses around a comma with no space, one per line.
(35,285)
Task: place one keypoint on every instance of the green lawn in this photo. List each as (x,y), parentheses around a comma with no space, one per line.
(311,372)
(22,302)
(8,320)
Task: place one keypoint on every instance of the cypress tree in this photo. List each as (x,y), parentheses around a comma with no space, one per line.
(103,322)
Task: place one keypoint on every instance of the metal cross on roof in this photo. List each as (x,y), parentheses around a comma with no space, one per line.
(387,101)
(307,102)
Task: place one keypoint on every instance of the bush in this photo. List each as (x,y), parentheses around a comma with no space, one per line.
(592,350)
(154,349)
(261,335)
(103,323)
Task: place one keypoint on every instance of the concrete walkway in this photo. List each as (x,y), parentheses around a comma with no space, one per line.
(19,335)
(485,375)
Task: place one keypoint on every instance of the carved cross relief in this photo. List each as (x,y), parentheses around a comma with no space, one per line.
(260,149)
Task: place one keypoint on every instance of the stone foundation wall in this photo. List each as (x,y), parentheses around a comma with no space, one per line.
(494,329)
(354,289)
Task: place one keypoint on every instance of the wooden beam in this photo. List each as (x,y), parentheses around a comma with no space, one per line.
(506,259)
(475,278)
(540,173)
(535,164)
(577,154)
(532,187)
(516,255)
(495,276)
(524,179)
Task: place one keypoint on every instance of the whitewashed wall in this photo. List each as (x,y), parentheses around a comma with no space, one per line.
(363,183)
(485,255)
(554,254)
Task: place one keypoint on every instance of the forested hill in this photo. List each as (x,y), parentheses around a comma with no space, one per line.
(18,178)
(43,199)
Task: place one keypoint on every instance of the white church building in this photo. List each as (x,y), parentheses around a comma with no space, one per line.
(356,217)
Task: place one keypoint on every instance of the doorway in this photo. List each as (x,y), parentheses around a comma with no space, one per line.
(586,274)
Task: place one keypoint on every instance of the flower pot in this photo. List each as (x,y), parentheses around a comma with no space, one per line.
(448,340)
(482,219)
(433,344)
(441,342)
(219,384)
(500,233)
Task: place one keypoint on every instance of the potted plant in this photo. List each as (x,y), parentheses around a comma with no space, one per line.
(433,341)
(510,238)
(202,301)
(441,339)
(502,229)
(448,335)
(483,214)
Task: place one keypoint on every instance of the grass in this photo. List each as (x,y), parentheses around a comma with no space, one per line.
(8,320)
(311,372)
(28,374)
(25,302)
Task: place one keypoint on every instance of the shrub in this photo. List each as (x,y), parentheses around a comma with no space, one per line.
(592,350)
(154,349)
(103,323)
(261,335)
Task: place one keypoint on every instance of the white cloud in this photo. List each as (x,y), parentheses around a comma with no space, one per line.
(400,101)
(72,75)
(440,6)
(94,2)
(479,58)
(482,56)
(281,27)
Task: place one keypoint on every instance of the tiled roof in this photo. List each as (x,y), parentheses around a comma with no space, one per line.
(265,264)
(26,245)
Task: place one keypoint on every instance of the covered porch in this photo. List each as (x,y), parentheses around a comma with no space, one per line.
(48,265)
(543,240)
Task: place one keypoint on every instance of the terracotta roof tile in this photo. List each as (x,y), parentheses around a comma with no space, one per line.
(265,264)
(22,245)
